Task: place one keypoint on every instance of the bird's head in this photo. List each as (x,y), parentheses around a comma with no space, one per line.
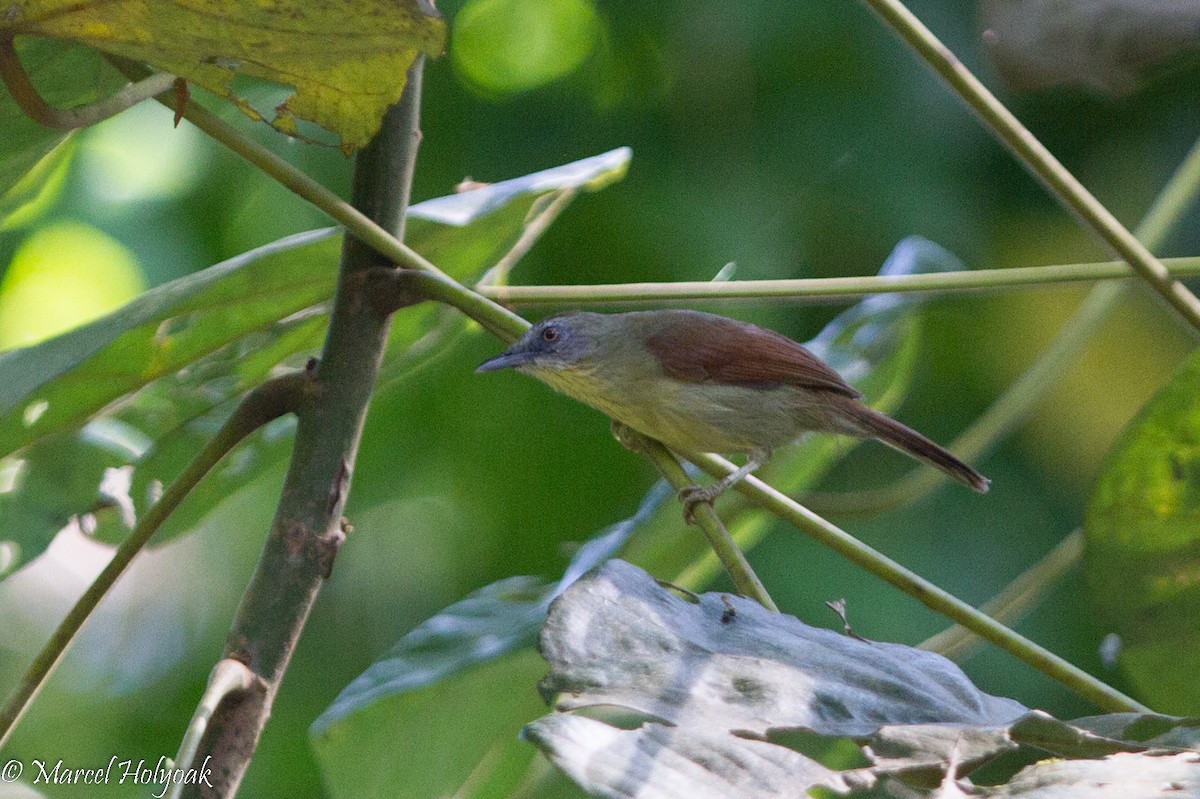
(559,343)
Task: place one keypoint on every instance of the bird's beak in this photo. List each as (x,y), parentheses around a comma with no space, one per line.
(505,360)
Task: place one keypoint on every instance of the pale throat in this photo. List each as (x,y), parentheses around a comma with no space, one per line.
(584,383)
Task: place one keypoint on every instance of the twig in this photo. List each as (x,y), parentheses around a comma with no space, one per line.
(1035,157)
(266,402)
(27,98)
(533,230)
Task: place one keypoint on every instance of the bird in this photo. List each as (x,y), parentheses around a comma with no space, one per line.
(699,382)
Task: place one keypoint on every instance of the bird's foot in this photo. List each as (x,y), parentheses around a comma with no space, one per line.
(691,496)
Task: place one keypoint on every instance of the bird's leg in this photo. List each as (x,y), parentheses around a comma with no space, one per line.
(628,438)
(694,495)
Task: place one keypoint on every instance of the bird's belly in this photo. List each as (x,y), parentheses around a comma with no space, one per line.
(698,417)
(704,417)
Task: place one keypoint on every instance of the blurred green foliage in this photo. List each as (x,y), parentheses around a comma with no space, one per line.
(794,139)
(510,46)
(61,276)
(1143,553)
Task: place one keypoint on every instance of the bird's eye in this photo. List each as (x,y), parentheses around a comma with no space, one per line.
(550,335)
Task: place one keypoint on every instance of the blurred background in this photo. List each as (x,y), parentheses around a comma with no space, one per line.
(795,139)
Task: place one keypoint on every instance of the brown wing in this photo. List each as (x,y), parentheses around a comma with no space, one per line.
(703,348)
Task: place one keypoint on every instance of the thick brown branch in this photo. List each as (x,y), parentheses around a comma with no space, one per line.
(307,531)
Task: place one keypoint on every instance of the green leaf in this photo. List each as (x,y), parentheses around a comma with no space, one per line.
(170,366)
(618,638)
(37,189)
(1142,550)
(56,483)
(347,63)
(74,375)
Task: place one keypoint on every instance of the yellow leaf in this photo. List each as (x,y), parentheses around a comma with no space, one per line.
(346,61)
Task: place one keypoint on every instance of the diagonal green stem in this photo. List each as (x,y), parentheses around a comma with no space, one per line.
(495,318)
(1036,158)
(1017,598)
(925,592)
(269,401)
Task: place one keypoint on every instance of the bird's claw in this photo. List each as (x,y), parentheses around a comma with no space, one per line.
(691,496)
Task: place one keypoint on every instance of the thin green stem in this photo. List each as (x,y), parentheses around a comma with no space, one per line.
(925,592)
(723,545)
(27,98)
(1036,158)
(266,402)
(828,289)
(1017,599)
(497,319)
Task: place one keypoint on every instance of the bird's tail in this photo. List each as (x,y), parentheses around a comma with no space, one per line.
(909,441)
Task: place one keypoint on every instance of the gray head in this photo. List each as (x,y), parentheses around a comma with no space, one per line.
(559,342)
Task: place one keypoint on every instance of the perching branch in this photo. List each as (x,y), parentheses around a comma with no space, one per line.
(307,531)
(1035,157)
(266,402)
(722,544)
(27,98)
